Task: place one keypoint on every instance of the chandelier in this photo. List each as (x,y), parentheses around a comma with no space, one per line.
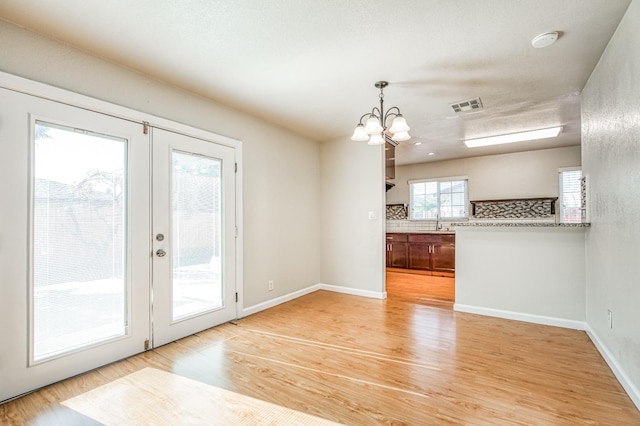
(375,128)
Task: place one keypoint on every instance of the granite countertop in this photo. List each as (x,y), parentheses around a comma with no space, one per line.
(521,224)
(450,232)
(428,232)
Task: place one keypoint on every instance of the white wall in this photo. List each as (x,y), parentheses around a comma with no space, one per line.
(352,186)
(531,274)
(518,175)
(611,160)
(281,170)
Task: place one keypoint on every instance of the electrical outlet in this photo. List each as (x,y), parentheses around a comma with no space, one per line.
(270,285)
(610,318)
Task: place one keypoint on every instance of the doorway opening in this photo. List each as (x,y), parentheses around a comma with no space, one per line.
(420,259)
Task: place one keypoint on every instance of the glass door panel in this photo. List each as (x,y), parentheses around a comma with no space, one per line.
(194,257)
(196,199)
(79,249)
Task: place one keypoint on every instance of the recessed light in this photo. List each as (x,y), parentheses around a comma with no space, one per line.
(530,135)
(431,153)
(418,143)
(544,40)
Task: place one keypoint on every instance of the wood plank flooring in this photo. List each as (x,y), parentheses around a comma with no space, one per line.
(361,361)
(409,286)
(157,397)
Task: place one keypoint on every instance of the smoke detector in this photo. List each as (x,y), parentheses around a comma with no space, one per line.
(544,40)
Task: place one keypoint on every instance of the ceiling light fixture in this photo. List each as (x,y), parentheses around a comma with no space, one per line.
(375,128)
(550,132)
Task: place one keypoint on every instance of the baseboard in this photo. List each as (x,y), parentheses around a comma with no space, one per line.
(354,291)
(294,295)
(618,371)
(278,300)
(519,316)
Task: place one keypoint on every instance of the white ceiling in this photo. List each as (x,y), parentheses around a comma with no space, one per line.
(310,65)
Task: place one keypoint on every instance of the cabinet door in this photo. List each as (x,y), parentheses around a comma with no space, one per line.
(419,256)
(443,257)
(397,255)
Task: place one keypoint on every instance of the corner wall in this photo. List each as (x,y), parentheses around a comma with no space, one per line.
(352,243)
(611,162)
(281,170)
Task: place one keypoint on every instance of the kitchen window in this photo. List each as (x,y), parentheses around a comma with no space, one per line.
(438,199)
(570,195)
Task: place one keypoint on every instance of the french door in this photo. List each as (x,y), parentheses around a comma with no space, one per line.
(111,240)
(193,235)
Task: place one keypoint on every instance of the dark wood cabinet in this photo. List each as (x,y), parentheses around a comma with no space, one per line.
(428,252)
(397,250)
(443,257)
(419,256)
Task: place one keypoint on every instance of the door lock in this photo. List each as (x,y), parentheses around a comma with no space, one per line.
(160,237)
(160,253)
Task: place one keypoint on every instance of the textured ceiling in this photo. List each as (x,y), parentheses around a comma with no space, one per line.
(310,65)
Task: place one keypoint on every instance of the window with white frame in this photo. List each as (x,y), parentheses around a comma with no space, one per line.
(570,195)
(438,199)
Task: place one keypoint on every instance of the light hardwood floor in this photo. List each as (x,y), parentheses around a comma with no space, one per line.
(361,361)
(409,286)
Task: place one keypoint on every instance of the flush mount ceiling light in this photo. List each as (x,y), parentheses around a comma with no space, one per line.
(375,128)
(550,132)
(544,40)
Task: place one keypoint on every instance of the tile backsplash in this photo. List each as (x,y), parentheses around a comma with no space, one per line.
(397,221)
(489,211)
(525,208)
(396,211)
(416,226)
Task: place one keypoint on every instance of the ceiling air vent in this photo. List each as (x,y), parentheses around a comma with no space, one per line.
(469,105)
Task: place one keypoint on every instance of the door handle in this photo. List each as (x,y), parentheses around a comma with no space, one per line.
(160,253)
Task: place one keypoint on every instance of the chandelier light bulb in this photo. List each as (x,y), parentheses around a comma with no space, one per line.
(373,126)
(401,136)
(359,134)
(376,139)
(399,125)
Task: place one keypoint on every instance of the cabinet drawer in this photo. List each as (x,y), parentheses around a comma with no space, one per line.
(448,238)
(432,238)
(397,238)
(424,238)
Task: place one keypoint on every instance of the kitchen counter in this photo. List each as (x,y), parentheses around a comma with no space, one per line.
(450,232)
(528,271)
(519,225)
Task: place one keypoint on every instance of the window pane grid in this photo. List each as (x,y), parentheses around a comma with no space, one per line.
(424,196)
(570,196)
(438,200)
